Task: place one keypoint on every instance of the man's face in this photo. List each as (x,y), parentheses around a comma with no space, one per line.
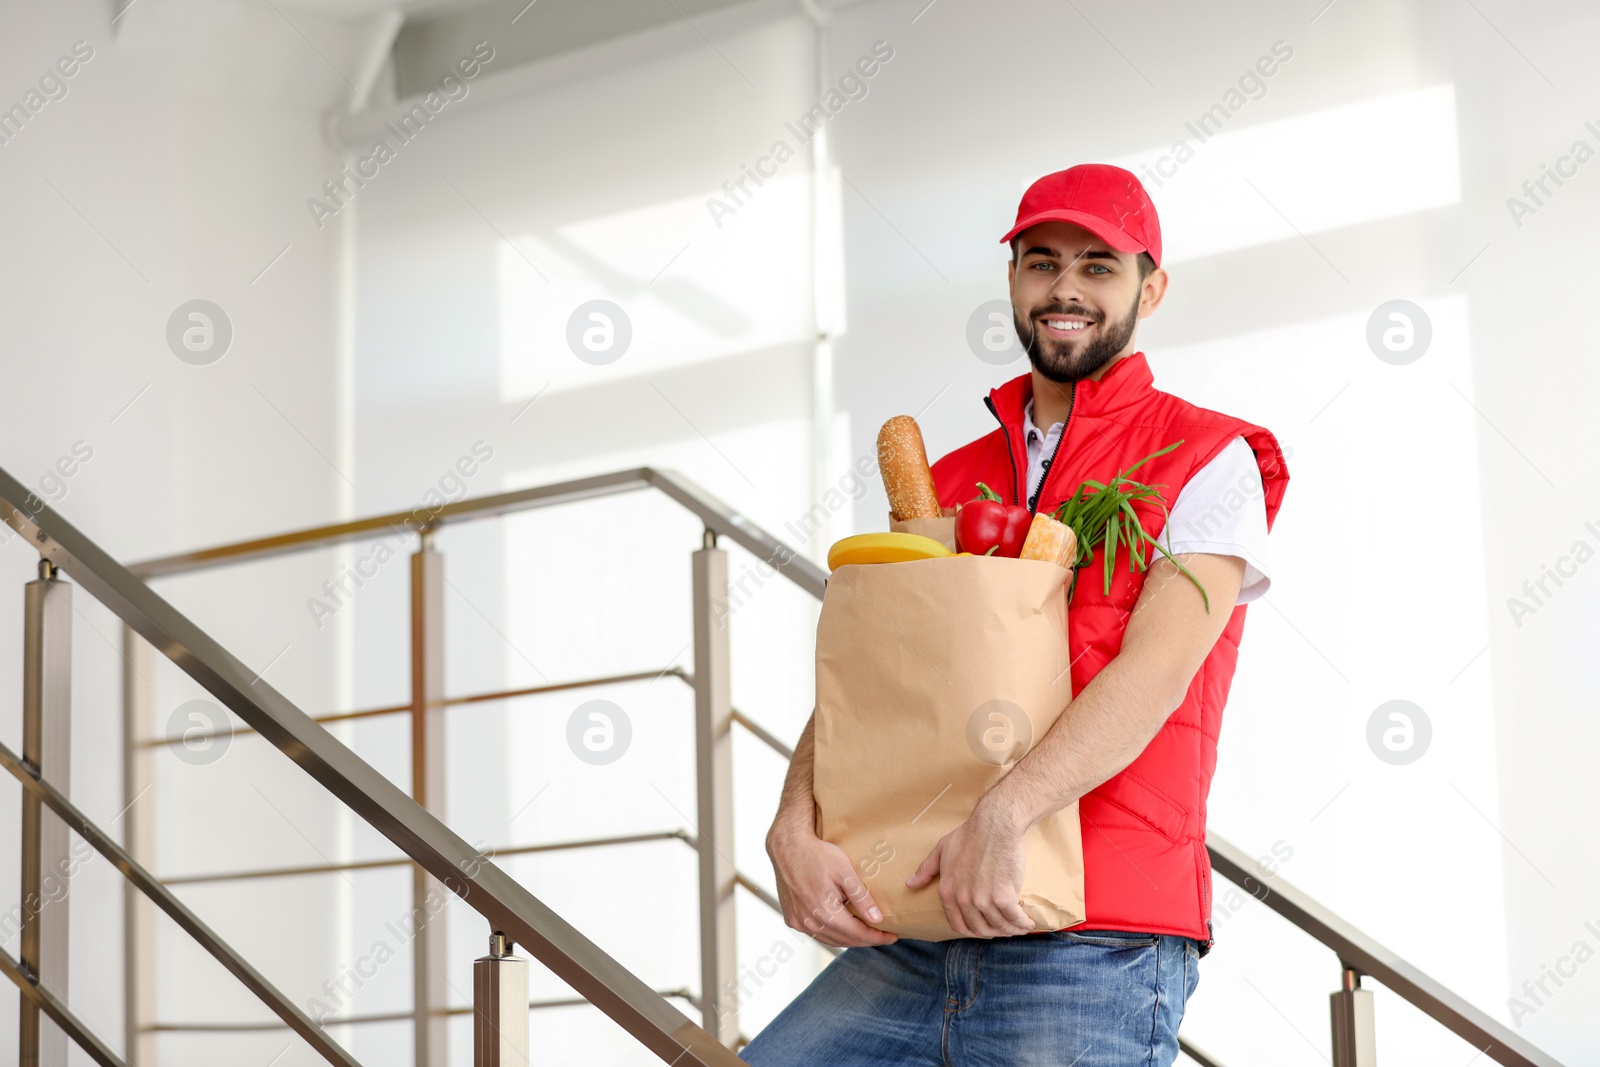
(1076,303)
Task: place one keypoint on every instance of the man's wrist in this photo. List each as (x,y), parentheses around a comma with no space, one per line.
(788,826)
(1004,810)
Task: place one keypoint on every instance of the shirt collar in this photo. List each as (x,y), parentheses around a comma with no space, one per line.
(1029,429)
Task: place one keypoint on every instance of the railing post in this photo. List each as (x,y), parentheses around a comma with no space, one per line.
(713,718)
(500,1036)
(1355,1035)
(429,980)
(138,837)
(46,734)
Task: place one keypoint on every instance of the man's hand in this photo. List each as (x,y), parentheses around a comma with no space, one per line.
(821,893)
(979,865)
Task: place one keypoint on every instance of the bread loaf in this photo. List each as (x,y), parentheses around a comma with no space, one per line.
(1051,540)
(903,462)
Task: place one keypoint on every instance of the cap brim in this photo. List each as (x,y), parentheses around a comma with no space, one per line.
(1117,239)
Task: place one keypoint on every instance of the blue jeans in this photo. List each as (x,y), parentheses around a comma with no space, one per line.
(1101,998)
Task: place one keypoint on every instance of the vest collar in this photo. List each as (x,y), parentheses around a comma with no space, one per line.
(1125,382)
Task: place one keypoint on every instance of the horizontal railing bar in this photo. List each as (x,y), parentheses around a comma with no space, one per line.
(574,1002)
(268,1025)
(381,1017)
(287,872)
(186,920)
(208,735)
(505,904)
(57,1010)
(763,734)
(555,687)
(402,861)
(717,517)
(1364,953)
(397,709)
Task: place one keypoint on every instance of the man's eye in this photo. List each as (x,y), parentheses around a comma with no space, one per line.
(1044,265)
(1100,267)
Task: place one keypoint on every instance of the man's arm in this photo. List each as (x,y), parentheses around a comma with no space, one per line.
(980,864)
(1125,705)
(817,885)
(797,806)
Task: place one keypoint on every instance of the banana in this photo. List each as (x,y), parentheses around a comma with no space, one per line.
(884,548)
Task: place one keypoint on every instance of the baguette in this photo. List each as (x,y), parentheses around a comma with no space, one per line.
(903,463)
(1051,541)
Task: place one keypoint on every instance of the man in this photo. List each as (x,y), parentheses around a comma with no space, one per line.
(1136,747)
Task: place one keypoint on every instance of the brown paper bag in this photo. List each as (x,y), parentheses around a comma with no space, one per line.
(933,678)
(942,529)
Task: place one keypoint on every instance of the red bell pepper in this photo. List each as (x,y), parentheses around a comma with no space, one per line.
(988,526)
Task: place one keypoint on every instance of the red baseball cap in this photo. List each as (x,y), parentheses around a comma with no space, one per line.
(1107,201)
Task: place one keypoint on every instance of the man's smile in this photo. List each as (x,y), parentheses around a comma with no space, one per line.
(1064,325)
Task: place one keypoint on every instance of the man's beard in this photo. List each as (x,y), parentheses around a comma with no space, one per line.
(1069,361)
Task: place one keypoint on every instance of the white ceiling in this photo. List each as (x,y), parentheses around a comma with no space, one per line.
(355,9)
(524,32)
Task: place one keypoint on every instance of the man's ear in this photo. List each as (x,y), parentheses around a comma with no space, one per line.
(1151,291)
(1011,273)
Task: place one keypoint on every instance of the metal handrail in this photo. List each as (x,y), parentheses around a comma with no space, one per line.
(1368,957)
(494,894)
(436,849)
(717,517)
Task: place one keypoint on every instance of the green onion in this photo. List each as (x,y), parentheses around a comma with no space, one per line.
(1106,516)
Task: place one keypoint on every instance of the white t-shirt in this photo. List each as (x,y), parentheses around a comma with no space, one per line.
(1221,510)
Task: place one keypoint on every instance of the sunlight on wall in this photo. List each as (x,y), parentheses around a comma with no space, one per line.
(692,291)
(1314,172)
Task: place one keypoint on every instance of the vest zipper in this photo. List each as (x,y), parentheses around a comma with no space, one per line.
(1033,501)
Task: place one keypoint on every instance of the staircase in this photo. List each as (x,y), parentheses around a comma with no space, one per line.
(442,862)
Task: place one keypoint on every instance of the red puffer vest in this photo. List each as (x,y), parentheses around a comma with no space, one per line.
(1145,862)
